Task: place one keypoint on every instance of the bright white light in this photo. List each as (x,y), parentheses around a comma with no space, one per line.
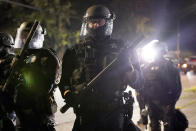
(148,53)
(184,65)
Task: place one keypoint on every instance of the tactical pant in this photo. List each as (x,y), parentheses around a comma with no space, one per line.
(110,121)
(158,113)
(129,125)
(36,125)
(6,125)
(40,128)
(142,104)
(141,101)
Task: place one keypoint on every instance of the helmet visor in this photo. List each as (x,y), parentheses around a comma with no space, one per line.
(36,41)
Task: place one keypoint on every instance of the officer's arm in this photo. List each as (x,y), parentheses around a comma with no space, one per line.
(9,87)
(178,90)
(134,74)
(9,92)
(53,67)
(174,83)
(67,68)
(132,78)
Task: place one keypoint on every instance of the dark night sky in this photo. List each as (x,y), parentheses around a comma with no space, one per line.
(187,24)
(187,28)
(188,33)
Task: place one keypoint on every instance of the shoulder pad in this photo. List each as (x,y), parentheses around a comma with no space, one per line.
(55,56)
(47,52)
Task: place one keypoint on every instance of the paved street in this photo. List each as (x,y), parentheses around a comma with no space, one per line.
(187,104)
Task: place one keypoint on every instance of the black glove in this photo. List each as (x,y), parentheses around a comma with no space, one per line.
(70,99)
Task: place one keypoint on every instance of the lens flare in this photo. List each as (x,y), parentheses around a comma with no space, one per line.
(148,53)
(184,65)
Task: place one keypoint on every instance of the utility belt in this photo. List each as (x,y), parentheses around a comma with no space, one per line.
(98,108)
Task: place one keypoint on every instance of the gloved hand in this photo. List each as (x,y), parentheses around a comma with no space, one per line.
(72,97)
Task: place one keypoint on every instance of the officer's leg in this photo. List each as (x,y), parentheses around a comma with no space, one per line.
(76,126)
(154,118)
(143,116)
(84,123)
(113,122)
(168,118)
(7,125)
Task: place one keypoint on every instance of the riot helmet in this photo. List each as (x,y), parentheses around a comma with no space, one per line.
(6,43)
(97,22)
(6,39)
(22,33)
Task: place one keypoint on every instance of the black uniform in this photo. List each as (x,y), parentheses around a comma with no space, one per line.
(6,113)
(6,56)
(99,107)
(5,65)
(32,89)
(162,90)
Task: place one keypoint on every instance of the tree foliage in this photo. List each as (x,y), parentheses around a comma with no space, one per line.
(62,18)
(54,15)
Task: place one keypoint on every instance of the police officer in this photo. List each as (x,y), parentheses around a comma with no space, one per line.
(100,106)
(6,56)
(33,83)
(162,89)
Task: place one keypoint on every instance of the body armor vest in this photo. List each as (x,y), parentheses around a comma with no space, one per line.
(162,80)
(91,58)
(33,82)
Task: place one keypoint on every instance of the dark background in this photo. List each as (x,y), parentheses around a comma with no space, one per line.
(161,19)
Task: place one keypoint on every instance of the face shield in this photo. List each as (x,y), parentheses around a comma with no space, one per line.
(94,27)
(6,40)
(36,41)
(96,23)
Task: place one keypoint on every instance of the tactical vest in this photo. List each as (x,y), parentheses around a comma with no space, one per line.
(161,81)
(90,58)
(34,85)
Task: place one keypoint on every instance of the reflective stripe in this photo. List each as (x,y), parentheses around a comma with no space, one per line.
(67,92)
